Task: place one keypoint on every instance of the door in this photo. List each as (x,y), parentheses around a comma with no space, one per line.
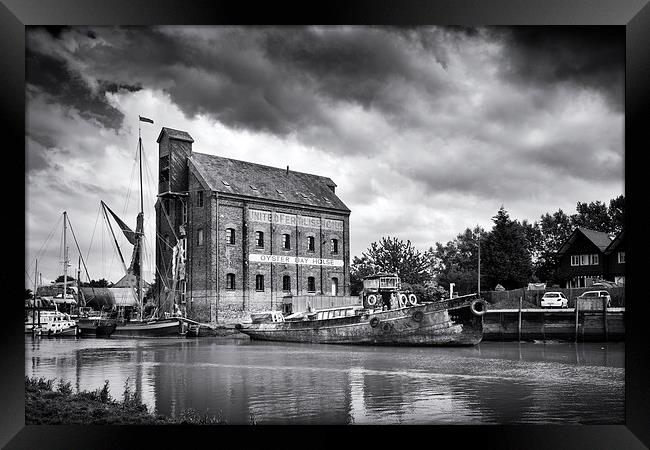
(335,286)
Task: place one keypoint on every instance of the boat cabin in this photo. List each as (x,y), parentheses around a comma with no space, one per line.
(382,282)
(333,313)
(267,317)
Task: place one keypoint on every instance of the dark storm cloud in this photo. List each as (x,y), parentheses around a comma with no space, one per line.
(52,76)
(588,56)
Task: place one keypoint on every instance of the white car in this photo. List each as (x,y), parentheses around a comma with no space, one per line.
(554,300)
(596,295)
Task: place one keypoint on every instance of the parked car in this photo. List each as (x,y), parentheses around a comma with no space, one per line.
(554,300)
(595,295)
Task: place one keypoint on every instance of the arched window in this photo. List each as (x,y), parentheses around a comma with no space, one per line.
(230,235)
(335,245)
(230,281)
(335,286)
(286,241)
(311,284)
(199,236)
(259,239)
(259,283)
(286,283)
(311,244)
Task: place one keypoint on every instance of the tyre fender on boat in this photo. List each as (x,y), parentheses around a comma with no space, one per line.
(403,299)
(417,316)
(386,327)
(478,307)
(371,300)
(412,299)
(374,322)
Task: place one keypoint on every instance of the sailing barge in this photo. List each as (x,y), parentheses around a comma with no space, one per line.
(456,321)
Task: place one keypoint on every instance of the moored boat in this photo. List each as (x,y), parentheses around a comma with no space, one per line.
(455,321)
(51,323)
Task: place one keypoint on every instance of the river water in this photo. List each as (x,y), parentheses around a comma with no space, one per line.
(287,383)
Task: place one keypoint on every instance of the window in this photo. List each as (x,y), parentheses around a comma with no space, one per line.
(259,283)
(164,169)
(253,187)
(575,260)
(594,260)
(286,283)
(621,257)
(199,199)
(286,241)
(335,245)
(311,244)
(259,239)
(230,281)
(335,286)
(230,235)
(199,236)
(182,210)
(311,284)
(584,260)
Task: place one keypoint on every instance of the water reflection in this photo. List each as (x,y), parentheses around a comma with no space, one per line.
(282,383)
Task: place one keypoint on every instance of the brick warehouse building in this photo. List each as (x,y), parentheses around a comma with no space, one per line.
(243,236)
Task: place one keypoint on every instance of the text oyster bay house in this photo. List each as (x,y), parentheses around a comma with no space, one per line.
(250,234)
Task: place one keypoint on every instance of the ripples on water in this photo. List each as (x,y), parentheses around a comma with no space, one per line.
(285,383)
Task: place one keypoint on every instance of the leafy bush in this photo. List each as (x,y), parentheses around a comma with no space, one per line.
(64,387)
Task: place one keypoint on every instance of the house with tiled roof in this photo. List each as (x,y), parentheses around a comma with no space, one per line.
(236,236)
(585,258)
(615,254)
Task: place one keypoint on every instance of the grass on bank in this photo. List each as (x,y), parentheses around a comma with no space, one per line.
(47,403)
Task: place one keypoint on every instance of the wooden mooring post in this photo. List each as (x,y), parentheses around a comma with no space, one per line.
(605,316)
(576,337)
(519,325)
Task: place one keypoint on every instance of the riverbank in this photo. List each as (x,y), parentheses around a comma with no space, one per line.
(51,403)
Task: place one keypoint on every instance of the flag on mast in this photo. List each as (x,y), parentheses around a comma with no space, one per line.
(144,119)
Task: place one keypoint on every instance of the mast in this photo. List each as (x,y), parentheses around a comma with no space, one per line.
(34,304)
(139,279)
(65,255)
(479,264)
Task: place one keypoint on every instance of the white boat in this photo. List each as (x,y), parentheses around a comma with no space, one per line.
(51,323)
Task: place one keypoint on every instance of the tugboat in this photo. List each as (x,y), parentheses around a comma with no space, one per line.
(401,319)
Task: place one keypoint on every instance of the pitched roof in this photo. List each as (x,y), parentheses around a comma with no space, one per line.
(232,176)
(599,238)
(175,134)
(615,243)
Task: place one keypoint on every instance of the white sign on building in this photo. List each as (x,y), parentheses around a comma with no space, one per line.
(281,259)
(256,215)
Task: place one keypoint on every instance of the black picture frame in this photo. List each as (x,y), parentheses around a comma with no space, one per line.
(634,15)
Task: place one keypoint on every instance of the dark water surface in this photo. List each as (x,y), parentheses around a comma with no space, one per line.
(286,383)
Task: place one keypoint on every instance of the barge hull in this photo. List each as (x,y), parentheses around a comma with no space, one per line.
(423,325)
(155,329)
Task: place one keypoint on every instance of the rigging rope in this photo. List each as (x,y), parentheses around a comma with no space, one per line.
(38,254)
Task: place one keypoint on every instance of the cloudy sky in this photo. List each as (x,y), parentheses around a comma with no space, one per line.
(425,130)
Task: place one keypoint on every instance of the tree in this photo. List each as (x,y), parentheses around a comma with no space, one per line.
(594,216)
(505,256)
(101,283)
(457,261)
(554,229)
(360,268)
(393,255)
(617,213)
(28,294)
(60,279)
